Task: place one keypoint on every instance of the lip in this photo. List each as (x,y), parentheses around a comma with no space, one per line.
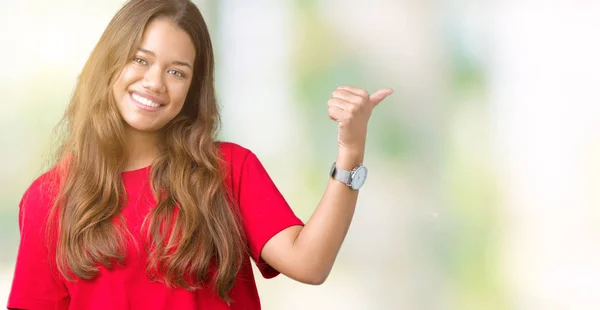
(148,96)
(143,106)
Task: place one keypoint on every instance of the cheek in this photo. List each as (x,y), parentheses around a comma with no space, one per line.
(127,77)
(179,93)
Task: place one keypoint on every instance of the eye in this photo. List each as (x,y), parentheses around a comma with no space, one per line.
(176,73)
(140,61)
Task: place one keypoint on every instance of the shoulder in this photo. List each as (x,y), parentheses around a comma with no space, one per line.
(40,195)
(44,186)
(239,163)
(234,155)
(232,151)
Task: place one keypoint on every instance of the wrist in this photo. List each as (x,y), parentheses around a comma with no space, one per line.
(349,159)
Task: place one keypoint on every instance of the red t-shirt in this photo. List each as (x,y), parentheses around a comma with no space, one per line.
(38,285)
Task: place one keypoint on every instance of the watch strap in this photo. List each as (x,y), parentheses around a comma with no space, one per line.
(340,174)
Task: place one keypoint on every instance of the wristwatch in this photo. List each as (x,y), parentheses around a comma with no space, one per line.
(354,179)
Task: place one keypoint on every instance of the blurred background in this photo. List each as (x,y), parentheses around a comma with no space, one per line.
(484,184)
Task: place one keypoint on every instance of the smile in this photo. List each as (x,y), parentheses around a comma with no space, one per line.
(145,101)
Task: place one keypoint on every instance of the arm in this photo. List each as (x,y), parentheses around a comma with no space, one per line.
(307,253)
(36,283)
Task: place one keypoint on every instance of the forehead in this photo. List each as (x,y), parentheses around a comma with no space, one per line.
(167,41)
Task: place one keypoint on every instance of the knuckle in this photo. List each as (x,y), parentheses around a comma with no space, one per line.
(358,100)
(353,108)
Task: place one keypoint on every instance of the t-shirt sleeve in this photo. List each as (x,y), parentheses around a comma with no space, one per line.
(36,283)
(264,210)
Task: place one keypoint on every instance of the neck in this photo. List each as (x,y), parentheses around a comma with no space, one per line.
(142,148)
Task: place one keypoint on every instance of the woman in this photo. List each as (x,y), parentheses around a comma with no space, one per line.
(144,209)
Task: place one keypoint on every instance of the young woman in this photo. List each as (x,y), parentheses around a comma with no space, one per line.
(145,210)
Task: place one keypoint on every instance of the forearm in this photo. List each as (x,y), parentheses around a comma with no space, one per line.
(307,253)
(319,241)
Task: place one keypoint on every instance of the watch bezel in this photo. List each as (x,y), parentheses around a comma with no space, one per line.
(354,182)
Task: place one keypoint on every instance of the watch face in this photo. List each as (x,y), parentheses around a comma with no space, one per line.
(359,177)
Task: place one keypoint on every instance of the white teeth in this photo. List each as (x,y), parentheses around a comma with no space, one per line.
(145,101)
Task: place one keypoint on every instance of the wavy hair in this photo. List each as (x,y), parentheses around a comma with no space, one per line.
(193,235)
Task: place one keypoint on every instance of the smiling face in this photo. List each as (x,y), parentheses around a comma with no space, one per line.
(152,87)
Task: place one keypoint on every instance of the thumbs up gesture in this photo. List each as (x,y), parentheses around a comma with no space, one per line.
(351,108)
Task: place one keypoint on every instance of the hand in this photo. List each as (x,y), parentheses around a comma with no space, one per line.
(351,107)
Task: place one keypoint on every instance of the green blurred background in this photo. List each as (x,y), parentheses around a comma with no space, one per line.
(483,184)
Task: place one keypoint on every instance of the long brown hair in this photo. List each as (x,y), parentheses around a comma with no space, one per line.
(187,175)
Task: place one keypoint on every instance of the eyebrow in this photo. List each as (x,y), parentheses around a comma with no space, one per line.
(175,62)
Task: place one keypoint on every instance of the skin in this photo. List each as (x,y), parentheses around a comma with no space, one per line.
(162,72)
(304,253)
(307,253)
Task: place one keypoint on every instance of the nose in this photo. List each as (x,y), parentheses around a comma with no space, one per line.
(153,80)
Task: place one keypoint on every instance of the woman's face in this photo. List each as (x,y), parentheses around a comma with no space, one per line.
(152,87)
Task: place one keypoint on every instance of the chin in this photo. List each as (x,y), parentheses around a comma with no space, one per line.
(143,126)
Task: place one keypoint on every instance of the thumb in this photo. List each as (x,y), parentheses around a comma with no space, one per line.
(379,95)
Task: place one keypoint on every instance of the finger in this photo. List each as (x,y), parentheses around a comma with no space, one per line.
(347,96)
(336,114)
(357,91)
(379,95)
(340,103)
